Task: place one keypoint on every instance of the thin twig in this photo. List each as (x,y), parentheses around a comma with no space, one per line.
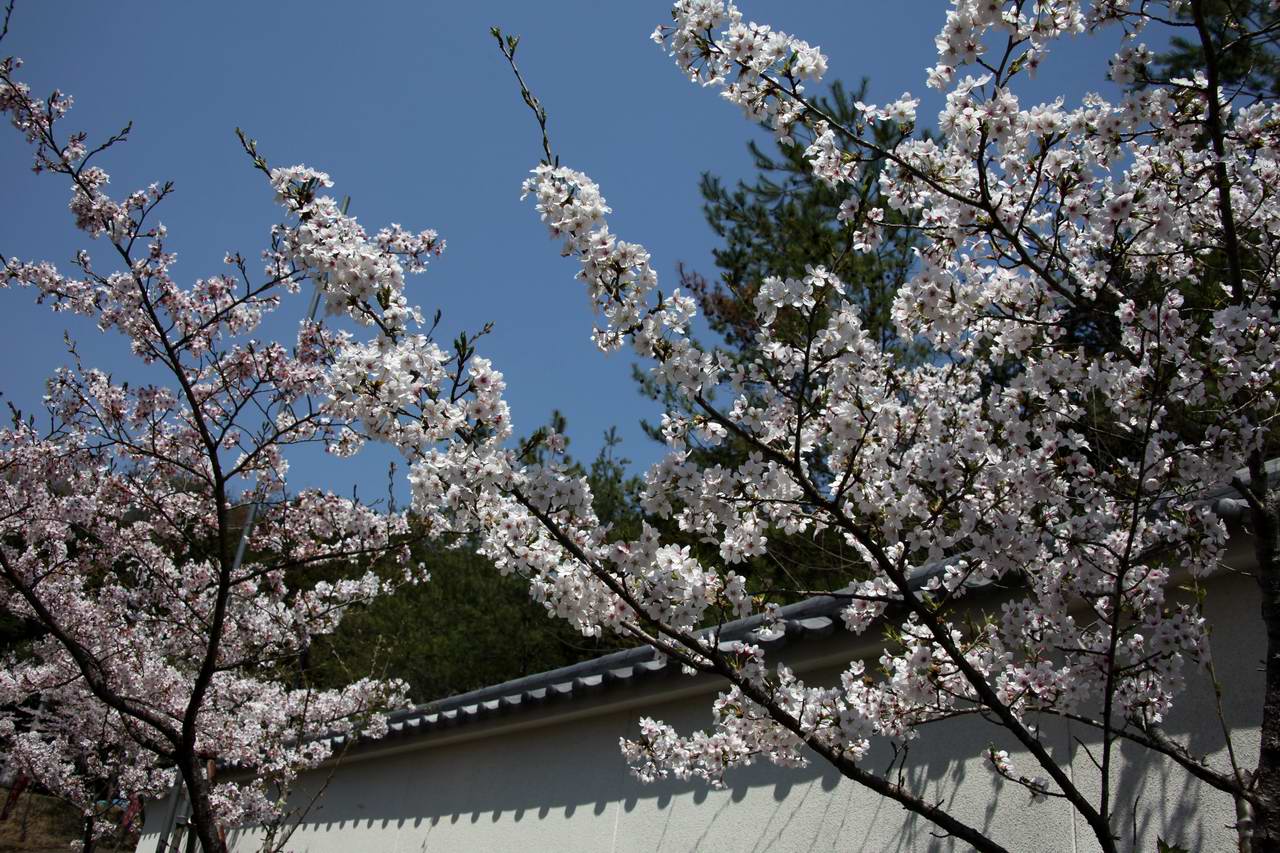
(8,13)
(507,44)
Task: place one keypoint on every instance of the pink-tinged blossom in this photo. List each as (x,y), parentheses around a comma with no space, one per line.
(1057,287)
(149,530)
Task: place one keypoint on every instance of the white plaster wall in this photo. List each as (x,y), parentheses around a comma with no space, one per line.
(548,781)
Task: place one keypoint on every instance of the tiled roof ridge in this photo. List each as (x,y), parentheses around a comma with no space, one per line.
(811,618)
(813,615)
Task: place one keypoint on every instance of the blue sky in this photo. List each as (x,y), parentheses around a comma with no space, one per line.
(412,110)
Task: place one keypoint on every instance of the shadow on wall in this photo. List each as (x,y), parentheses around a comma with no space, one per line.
(569,781)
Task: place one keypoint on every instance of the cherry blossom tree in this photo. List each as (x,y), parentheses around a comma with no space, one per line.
(1095,286)
(148,530)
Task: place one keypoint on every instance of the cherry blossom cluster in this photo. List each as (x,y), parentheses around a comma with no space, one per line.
(937,465)
(746,60)
(149,531)
(361,278)
(617,274)
(1094,288)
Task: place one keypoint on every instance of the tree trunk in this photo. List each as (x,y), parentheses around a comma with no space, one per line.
(88,841)
(1266,779)
(202,822)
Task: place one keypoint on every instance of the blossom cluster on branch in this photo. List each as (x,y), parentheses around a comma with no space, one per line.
(149,533)
(1095,288)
